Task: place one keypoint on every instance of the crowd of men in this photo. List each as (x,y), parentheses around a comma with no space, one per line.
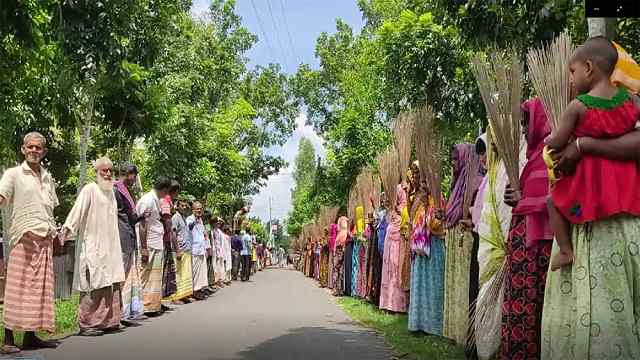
(133,258)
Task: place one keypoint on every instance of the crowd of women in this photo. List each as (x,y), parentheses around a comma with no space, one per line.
(474,269)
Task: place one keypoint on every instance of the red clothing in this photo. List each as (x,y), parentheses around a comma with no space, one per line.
(600,187)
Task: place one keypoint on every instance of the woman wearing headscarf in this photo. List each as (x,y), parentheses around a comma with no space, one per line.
(377,230)
(392,296)
(459,242)
(427,270)
(491,220)
(324,258)
(339,256)
(333,233)
(362,252)
(528,245)
(355,252)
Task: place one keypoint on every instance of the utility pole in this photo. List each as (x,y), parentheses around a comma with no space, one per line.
(270,223)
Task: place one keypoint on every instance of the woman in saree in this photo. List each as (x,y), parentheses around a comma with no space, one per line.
(333,234)
(324,259)
(592,307)
(339,256)
(392,296)
(378,228)
(491,220)
(528,244)
(355,259)
(427,270)
(362,253)
(459,242)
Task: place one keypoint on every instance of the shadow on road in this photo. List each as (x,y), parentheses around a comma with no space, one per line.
(319,343)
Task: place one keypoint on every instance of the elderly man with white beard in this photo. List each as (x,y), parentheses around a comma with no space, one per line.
(99,269)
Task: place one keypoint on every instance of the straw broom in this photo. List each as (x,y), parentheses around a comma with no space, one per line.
(402,136)
(365,184)
(549,71)
(473,163)
(500,81)
(351,205)
(429,152)
(487,318)
(390,174)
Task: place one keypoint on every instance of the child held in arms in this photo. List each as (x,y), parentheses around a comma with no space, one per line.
(599,188)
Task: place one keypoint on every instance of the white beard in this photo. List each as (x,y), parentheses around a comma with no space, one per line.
(104,185)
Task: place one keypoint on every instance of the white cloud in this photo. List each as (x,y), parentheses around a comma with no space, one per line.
(279,186)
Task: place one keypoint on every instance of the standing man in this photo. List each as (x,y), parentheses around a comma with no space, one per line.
(132,305)
(184,270)
(236,248)
(238,218)
(200,247)
(170,243)
(226,245)
(245,254)
(218,251)
(99,269)
(151,246)
(28,191)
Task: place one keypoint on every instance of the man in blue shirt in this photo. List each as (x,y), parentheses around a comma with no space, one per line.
(200,247)
(245,254)
(236,247)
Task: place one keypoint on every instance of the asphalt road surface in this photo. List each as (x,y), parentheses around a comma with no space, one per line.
(280,315)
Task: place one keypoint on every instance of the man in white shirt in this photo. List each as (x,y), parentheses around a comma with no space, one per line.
(151,245)
(99,267)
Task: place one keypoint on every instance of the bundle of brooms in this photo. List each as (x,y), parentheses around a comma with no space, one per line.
(330,215)
(429,151)
(352,202)
(366,189)
(388,164)
(499,77)
(549,72)
(402,136)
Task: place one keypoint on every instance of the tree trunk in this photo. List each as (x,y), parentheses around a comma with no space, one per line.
(84,125)
(85,133)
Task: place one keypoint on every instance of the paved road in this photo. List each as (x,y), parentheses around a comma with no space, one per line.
(280,314)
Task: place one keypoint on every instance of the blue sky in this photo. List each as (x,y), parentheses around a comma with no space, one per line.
(273,21)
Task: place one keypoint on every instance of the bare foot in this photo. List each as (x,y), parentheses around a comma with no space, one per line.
(9,349)
(561,259)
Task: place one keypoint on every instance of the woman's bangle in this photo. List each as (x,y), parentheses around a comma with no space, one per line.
(578,146)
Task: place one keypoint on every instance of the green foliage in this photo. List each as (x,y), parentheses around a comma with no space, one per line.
(150,85)
(409,52)
(393,327)
(258,229)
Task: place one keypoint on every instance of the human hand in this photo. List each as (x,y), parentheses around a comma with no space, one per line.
(567,158)
(144,256)
(511,196)
(467,225)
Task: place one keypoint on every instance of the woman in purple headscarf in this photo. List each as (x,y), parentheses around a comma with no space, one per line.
(459,241)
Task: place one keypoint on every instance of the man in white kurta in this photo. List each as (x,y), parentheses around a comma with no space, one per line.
(99,268)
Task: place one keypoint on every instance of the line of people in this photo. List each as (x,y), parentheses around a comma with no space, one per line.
(133,258)
(483,270)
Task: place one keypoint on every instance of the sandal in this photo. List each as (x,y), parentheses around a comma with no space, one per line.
(9,349)
(36,343)
(91,332)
